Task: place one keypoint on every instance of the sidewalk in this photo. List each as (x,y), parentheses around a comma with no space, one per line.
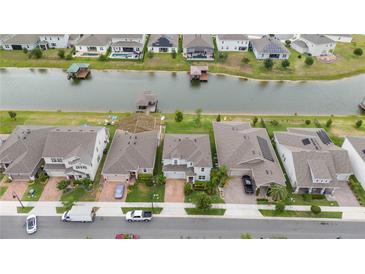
(242,211)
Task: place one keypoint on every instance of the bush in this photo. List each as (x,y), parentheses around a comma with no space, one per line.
(358,51)
(280,207)
(255,120)
(309,60)
(315,209)
(42,176)
(150,54)
(307,122)
(307,197)
(268,64)
(36,53)
(25,50)
(204,202)
(188,189)
(218,119)
(222,56)
(285,63)
(274,123)
(102,57)
(288,43)
(61,53)
(317,123)
(299,56)
(200,185)
(69,56)
(146,179)
(245,60)
(179,116)
(358,123)
(63,184)
(173,54)
(329,123)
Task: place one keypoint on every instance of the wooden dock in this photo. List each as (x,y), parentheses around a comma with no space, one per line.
(199,73)
(78,71)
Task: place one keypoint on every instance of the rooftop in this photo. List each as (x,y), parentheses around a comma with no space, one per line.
(23,39)
(197,40)
(163,40)
(358,143)
(318,39)
(232,37)
(269,45)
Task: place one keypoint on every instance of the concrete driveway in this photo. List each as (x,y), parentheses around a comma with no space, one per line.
(107,192)
(174,191)
(50,191)
(344,196)
(19,187)
(234,193)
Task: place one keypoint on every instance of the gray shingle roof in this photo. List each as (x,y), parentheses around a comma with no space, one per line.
(197,40)
(318,39)
(238,147)
(95,39)
(130,151)
(269,45)
(232,36)
(358,143)
(191,147)
(127,44)
(163,40)
(22,39)
(301,44)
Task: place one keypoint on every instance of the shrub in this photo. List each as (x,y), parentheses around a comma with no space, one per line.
(61,53)
(358,51)
(246,236)
(36,53)
(42,176)
(280,206)
(204,202)
(317,123)
(358,123)
(315,209)
(86,183)
(179,116)
(274,123)
(25,50)
(222,56)
(307,122)
(102,57)
(69,56)
(150,54)
(188,189)
(268,64)
(309,60)
(299,56)
(245,60)
(63,184)
(147,179)
(200,185)
(12,115)
(285,63)
(255,120)
(329,123)
(218,119)
(173,54)
(288,43)
(307,197)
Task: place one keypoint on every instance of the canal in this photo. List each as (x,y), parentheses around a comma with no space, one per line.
(48,89)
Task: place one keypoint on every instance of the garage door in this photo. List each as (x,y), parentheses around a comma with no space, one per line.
(116,178)
(16,47)
(175,174)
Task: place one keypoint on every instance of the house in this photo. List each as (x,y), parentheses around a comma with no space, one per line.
(285,37)
(74,152)
(163,43)
(3,138)
(73,39)
(355,147)
(232,42)
(3,38)
(53,41)
(247,151)
(130,154)
(269,48)
(146,102)
(127,46)
(314,44)
(343,38)
(21,41)
(187,156)
(313,163)
(198,47)
(21,152)
(93,45)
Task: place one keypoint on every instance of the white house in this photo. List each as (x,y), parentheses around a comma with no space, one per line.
(314,44)
(313,163)
(355,147)
(93,45)
(74,152)
(21,41)
(343,38)
(232,42)
(130,154)
(163,43)
(127,46)
(187,156)
(269,48)
(53,41)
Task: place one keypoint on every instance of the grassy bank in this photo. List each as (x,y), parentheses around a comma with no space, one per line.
(300,214)
(346,65)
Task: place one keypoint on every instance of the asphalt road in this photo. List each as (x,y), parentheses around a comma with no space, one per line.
(175,228)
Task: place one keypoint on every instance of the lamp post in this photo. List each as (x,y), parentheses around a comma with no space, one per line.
(16,196)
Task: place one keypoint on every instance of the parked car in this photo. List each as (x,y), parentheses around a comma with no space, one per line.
(138,216)
(31,224)
(247,184)
(119,191)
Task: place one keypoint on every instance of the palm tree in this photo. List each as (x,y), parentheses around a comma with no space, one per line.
(222,174)
(278,192)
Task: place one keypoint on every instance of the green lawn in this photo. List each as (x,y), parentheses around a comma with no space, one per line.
(300,214)
(139,192)
(358,190)
(24,210)
(60,209)
(3,190)
(211,211)
(73,196)
(301,199)
(156,210)
(347,63)
(193,197)
(38,187)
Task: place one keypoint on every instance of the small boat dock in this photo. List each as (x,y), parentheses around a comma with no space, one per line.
(78,71)
(362,104)
(146,102)
(199,73)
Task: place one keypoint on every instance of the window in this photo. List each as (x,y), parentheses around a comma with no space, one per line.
(284,55)
(98,158)
(201,177)
(101,48)
(175,162)
(144,170)
(202,169)
(56,160)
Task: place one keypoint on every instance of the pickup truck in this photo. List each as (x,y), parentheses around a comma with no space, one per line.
(138,216)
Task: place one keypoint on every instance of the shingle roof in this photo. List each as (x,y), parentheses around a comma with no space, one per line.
(191,147)
(232,36)
(95,39)
(318,39)
(358,143)
(269,45)
(300,43)
(76,66)
(23,39)
(197,40)
(241,147)
(127,44)
(163,40)
(130,151)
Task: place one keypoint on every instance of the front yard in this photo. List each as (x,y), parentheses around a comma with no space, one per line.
(302,199)
(37,188)
(140,192)
(300,214)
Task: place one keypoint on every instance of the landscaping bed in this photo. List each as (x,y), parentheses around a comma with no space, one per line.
(302,199)
(211,211)
(358,190)
(300,214)
(37,186)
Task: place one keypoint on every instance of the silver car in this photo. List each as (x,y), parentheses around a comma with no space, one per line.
(31,224)
(119,191)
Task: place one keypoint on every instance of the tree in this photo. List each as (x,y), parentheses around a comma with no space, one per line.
(25,50)
(63,184)
(69,56)
(315,209)
(36,53)
(61,53)
(218,119)
(358,123)
(222,56)
(173,54)
(212,186)
(278,192)
(309,60)
(204,202)
(150,54)
(179,116)
(245,60)
(358,51)
(307,122)
(12,115)
(285,63)
(188,188)
(329,122)
(255,120)
(246,236)
(198,116)
(288,43)
(274,123)
(220,176)
(159,179)
(102,57)
(268,63)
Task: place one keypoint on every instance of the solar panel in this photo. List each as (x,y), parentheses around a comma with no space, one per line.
(324,137)
(265,149)
(306,141)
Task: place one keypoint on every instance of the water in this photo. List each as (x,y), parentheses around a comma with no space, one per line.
(48,89)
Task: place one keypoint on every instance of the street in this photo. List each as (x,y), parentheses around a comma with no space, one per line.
(175,228)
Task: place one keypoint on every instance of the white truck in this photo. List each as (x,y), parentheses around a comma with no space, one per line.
(79,214)
(138,216)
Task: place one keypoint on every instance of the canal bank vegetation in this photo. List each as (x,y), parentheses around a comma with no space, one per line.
(243,64)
